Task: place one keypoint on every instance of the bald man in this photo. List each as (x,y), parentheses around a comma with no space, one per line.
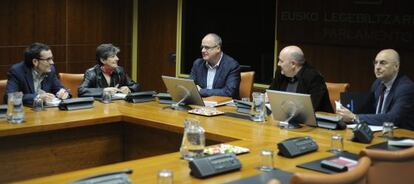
(295,75)
(216,73)
(392,95)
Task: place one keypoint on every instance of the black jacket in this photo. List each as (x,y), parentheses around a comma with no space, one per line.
(310,81)
(94,82)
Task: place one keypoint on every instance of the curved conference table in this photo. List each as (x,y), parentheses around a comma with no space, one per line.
(56,146)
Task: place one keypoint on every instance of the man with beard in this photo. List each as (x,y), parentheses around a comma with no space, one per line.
(35,76)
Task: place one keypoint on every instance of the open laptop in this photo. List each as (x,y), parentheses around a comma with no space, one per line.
(296,108)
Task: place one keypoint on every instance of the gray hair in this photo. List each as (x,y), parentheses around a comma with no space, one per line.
(217,39)
(104,51)
(299,57)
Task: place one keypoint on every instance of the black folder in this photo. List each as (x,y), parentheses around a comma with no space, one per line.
(282,176)
(76,103)
(139,97)
(386,147)
(316,164)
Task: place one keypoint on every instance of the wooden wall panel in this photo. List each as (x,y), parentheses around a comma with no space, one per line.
(46,153)
(72,28)
(341,38)
(156,40)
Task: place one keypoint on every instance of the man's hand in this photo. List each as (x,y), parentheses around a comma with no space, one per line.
(346,114)
(62,94)
(111,90)
(47,97)
(124,90)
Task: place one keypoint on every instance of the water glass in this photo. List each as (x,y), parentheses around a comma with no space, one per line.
(15,113)
(106,96)
(258,108)
(165,176)
(337,143)
(37,104)
(266,157)
(388,129)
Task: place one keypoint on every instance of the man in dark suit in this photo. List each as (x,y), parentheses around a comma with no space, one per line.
(392,95)
(216,74)
(35,76)
(295,75)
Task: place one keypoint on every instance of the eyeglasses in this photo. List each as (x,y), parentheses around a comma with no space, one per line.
(207,47)
(46,59)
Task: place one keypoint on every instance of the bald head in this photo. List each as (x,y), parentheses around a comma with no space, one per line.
(291,59)
(389,55)
(294,53)
(214,38)
(386,65)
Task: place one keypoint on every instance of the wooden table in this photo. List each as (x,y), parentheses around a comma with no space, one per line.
(144,137)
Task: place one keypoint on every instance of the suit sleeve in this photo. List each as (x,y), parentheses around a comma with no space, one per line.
(402,107)
(13,86)
(317,90)
(88,87)
(55,82)
(132,85)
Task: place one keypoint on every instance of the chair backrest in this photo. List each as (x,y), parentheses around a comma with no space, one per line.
(246,84)
(3,84)
(71,81)
(356,175)
(390,166)
(335,90)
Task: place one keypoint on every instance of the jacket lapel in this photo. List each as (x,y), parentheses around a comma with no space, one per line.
(390,95)
(29,79)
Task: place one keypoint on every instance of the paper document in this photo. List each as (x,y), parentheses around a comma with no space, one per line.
(372,127)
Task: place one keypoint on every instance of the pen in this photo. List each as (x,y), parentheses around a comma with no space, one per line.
(352,106)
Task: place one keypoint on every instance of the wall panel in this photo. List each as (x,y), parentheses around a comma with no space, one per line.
(73,29)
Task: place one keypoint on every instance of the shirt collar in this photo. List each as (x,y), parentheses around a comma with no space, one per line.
(36,74)
(388,85)
(216,65)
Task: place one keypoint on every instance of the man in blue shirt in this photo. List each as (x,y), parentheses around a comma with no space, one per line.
(216,73)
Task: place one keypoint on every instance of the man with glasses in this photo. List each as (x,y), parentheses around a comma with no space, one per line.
(296,75)
(35,76)
(216,73)
(392,95)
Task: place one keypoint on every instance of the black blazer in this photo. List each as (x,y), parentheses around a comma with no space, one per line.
(94,82)
(310,81)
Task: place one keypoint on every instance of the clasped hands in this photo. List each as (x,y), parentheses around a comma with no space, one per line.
(49,97)
(113,90)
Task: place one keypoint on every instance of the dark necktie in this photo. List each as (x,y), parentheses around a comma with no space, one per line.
(381,98)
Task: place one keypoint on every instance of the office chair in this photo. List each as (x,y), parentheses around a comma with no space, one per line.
(335,90)
(3,84)
(72,82)
(390,166)
(356,175)
(246,84)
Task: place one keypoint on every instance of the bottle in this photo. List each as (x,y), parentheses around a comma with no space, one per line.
(193,143)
